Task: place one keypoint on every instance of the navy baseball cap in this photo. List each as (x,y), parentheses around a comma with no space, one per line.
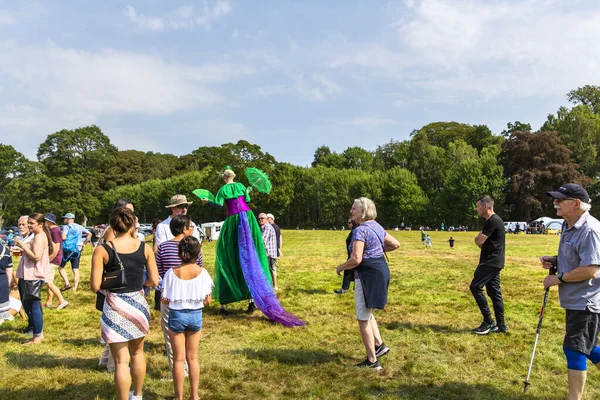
(570,191)
(50,217)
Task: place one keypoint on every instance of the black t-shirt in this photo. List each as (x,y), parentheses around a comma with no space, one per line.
(492,250)
(277,236)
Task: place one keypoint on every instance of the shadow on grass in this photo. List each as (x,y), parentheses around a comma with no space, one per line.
(292,356)
(447,391)
(29,361)
(424,327)
(85,391)
(12,337)
(84,342)
(312,291)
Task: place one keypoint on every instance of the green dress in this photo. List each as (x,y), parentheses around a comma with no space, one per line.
(230,284)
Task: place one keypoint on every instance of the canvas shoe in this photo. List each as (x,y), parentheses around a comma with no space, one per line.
(368,364)
(484,328)
(62,305)
(381,350)
(340,291)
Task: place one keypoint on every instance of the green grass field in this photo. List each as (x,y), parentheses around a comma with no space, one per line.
(426,324)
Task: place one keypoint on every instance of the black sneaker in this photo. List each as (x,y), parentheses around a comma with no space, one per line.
(223,311)
(251,307)
(381,350)
(340,291)
(499,329)
(368,364)
(484,328)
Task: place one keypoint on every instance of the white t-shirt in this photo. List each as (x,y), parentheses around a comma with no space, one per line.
(163,232)
(14,304)
(186,294)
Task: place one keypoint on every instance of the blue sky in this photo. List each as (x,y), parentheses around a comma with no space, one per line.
(290,76)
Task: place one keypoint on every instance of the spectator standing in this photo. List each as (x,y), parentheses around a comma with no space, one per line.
(578,282)
(125,317)
(167,257)
(55,261)
(187,288)
(372,277)
(6,277)
(73,243)
(271,220)
(491,240)
(178,205)
(32,271)
(270,240)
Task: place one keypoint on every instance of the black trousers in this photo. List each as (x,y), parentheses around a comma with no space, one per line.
(488,277)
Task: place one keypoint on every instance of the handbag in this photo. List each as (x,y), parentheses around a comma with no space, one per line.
(115,279)
(100,298)
(32,290)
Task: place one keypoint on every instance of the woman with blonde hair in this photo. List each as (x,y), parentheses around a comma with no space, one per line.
(33,269)
(125,316)
(372,275)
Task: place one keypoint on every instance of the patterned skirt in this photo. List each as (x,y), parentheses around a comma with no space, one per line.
(125,317)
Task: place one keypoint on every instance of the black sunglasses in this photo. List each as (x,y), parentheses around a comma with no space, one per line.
(183,206)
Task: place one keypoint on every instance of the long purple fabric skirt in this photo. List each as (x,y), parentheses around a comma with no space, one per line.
(258,283)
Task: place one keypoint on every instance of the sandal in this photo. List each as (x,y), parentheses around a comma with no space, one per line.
(66,288)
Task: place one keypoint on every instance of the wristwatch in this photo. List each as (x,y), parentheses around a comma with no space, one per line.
(560,277)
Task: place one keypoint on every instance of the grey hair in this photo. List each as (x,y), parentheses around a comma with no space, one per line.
(23,217)
(487,200)
(583,206)
(369,211)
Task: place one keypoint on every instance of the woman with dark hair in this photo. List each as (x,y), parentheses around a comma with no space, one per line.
(167,257)
(109,234)
(348,274)
(34,266)
(125,317)
(187,288)
(372,276)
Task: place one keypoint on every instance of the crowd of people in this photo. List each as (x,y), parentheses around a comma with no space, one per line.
(246,269)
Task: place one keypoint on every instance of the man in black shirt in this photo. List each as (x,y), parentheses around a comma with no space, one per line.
(487,273)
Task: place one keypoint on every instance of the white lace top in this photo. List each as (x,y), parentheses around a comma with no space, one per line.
(186,294)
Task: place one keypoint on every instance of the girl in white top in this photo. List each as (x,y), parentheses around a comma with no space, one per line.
(186,289)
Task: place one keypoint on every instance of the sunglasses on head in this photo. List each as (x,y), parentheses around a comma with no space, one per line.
(183,206)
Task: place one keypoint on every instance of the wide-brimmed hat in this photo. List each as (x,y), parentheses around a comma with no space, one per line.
(178,200)
(69,215)
(50,218)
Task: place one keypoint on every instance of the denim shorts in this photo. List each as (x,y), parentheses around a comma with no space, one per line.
(185,320)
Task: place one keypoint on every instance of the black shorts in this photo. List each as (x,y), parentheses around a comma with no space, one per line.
(582,329)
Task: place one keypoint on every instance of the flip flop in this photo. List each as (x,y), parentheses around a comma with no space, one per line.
(66,288)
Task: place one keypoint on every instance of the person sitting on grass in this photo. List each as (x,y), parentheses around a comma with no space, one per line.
(187,288)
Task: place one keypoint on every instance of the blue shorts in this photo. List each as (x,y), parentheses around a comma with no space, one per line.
(73,256)
(185,320)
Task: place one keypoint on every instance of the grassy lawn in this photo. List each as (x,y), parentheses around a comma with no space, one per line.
(426,324)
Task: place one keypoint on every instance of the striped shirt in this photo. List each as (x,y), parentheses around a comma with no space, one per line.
(167,257)
(268,235)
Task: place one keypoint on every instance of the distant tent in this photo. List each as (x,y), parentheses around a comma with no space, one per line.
(549,223)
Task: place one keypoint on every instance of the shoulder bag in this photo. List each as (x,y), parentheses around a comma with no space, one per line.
(115,279)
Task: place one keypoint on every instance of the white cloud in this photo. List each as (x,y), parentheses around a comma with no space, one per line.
(500,48)
(6,18)
(143,22)
(111,81)
(185,17)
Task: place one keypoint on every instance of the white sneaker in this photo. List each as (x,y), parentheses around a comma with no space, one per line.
(132,397)
(62,305)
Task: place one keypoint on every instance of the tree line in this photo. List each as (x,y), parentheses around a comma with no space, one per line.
(434,176)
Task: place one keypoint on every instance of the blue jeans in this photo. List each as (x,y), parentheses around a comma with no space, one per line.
(33,309)
(185,320)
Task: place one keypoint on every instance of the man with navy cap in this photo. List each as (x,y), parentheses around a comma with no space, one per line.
(578,282)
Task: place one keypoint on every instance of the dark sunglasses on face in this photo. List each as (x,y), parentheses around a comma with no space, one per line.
(259,218)
(183,206)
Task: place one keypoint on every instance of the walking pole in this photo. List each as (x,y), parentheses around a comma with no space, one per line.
(537,333)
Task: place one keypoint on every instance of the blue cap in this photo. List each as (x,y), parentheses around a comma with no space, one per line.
(50,217)
(69,215)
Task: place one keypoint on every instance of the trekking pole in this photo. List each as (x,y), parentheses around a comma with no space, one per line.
(537,333)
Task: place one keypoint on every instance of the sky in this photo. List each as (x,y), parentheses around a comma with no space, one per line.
(290,76)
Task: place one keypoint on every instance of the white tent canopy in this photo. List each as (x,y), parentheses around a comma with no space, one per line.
(549,223)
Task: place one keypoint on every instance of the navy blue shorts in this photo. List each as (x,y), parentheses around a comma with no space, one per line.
(73,256)
(185,320)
